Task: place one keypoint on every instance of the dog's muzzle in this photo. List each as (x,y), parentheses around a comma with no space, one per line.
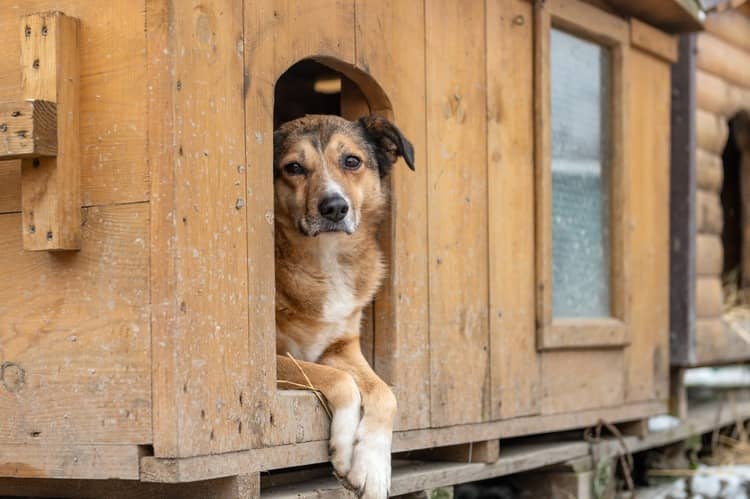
(334,215)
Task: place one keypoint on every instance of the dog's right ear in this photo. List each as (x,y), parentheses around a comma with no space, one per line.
(388,141)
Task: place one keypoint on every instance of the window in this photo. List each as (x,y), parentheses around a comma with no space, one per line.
(581,176)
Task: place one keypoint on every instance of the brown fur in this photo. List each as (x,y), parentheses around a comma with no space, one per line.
(327,273)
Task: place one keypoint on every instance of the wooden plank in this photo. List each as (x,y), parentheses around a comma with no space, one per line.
(674,16)
(647,358)
(722,59)
(681,205)
(577,380)
(719,96)
(485,451)
(652,40)
(510,129)
(721,342)
(316,29)
(709,259)
(113,92)
(74,330)
(28,129)
(200,336)
(710,170)
(284,456)
(457,180)
(390,48)
(416,476)
(69,461)
(731,26)
(711,131)
(10,186)
(51,187)
(708,212)
(239,487)
(709,299)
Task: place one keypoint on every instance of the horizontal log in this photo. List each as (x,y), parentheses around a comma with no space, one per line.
(711,131)
(28,129)
(732,27)
(710,171)
(723,59)
(720,96)
(709,216)
(708,298)
(709,255)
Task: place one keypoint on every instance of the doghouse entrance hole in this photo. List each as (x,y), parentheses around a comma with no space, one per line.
(310,87)
(736,269)
(329,86)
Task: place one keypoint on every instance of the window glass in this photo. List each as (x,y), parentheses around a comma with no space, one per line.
(580,139)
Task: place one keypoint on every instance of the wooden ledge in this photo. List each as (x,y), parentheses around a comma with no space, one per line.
(28,129)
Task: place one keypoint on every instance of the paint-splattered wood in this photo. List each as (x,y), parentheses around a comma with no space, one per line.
(457,212)
(647,357)
(68,461)
(510,130)
(390,47)
(51,187)
(74,335)
(201,344)
(28,129)
(113,93)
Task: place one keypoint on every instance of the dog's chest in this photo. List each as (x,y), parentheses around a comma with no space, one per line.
(340,301)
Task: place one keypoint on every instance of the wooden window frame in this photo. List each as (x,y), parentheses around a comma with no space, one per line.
(590,23)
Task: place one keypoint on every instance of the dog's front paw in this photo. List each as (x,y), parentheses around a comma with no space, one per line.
(370,475)
(343,432)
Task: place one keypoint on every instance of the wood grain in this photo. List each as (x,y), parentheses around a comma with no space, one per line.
(731,26)
(652,40)
(76,328)
(647,358)
(719,96)
(201,344)
(510,150)
(710,170)
(68,461)
(711,131)
(51,188)
(457,207)
(113,89)
(708,298)
(709,255)
(723,59)
(709,216)
(28,129)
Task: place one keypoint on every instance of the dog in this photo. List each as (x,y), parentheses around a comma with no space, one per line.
(330,195)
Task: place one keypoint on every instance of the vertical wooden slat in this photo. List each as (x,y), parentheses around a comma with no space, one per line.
(647,357)
(51,187)
(390,47)
(202,367)
(510,149)
(457,218)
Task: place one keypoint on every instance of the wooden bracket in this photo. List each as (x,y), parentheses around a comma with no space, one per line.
(43,131)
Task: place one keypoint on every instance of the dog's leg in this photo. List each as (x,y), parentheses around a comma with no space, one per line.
(370,472)
(342,395)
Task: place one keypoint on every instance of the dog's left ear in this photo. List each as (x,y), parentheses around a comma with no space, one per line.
(388,141)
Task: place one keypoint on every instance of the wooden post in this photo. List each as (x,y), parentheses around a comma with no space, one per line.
(51,186)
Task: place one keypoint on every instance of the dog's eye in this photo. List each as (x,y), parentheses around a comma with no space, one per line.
(294,169)
(352,162)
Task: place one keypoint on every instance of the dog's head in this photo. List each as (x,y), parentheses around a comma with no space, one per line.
(328,171)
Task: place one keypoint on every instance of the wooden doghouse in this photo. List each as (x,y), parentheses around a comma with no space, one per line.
(712,86)
(137,341)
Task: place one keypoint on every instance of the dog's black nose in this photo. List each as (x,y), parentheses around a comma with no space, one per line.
(334,208)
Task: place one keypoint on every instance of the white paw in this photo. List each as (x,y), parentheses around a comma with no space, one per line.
(343,432)
(370,475)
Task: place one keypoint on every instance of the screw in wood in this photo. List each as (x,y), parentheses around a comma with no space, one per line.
(44,30)
(15,114)
(27,31)
(32,229)
(35,162)
(35,65)
(49,235)
(3,127)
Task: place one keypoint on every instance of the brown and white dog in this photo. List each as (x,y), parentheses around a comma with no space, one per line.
(330,196)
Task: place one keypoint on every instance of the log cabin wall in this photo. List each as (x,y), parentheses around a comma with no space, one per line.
(152,348)
(722,83)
